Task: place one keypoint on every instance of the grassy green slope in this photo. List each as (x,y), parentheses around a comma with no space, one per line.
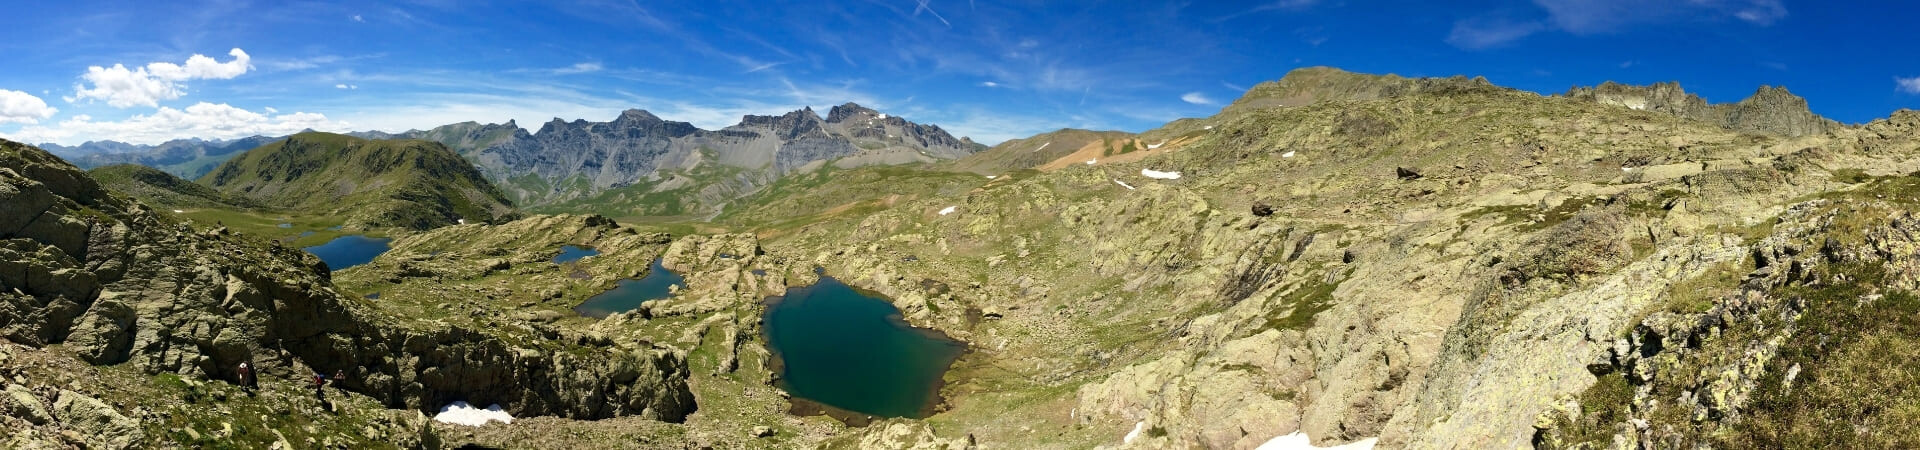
(372,183)
(161,189)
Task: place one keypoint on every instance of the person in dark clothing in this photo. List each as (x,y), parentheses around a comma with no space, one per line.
(339,377)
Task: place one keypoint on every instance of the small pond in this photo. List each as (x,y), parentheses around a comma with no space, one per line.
(850,350)
(631,293)
(570,253)
(350,250)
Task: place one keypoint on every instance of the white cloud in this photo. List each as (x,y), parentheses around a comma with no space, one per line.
(345,86)
(1487,32)
(989,84)
(1196,98)
(271,110)
(584,67)
(1907,85)
(147,86)
(202,120)
(16,106)
(357,18)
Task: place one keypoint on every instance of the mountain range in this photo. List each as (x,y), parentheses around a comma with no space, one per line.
(1332,259)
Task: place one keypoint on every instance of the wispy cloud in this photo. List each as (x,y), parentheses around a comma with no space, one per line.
(16,106)
(1197,99)
(1907,85)
(1605,16)
(1488,32)
(1592,17)
(923,7)
(585,67)
(989,84)
(345,86)
(357,18)
(763,67)
(121,87)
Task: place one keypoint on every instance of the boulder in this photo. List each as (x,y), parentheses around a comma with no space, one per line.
(19,402)
(102,426)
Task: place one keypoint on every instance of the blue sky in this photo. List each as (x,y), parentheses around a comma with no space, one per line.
(989,69)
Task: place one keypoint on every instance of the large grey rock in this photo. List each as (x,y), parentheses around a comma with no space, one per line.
(102,426)
(19,402)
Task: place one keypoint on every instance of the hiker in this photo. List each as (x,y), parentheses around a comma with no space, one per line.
(319,387)
(245,375)
(340,377)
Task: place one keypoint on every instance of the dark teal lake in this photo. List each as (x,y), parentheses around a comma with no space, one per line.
(852,351)
(630,293)
(350,250)
(570,253)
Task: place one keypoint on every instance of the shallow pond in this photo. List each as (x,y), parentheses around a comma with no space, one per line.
(630,293)
(350,250)
(850,350)
(570,253)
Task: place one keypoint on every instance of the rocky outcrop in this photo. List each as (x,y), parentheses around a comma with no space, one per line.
(102,426)
(1313,85)
(119,284)
(1771,110)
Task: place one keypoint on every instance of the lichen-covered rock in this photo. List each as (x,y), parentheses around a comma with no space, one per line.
(19,402)
(103,426)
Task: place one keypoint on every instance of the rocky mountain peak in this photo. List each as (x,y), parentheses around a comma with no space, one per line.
(850,111)
(1770,110)
(636,117)
(1310,85)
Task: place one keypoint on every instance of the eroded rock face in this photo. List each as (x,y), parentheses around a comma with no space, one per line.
(121,285)
(1770,110)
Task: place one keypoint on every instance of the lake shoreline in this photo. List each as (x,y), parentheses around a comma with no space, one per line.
(801,406)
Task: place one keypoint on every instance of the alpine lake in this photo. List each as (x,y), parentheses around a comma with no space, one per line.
(839,350)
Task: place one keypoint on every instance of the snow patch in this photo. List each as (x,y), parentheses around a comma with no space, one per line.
(1123,184)
(1150,173)
(883,117)
(1043,146)
(1626,169)
(947,211)
(462,221)
(992,177)
(1090,162)
(1208,127)
(1286,155)
(1156,146)
(1300,441)
(1137,427)
(178,211)
(464,414)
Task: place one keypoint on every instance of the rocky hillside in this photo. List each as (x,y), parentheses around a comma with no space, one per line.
(1035,151)
(1771,110)
(1439,268)
(373,183)
(162,313)
(646,160)
(1311,85)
